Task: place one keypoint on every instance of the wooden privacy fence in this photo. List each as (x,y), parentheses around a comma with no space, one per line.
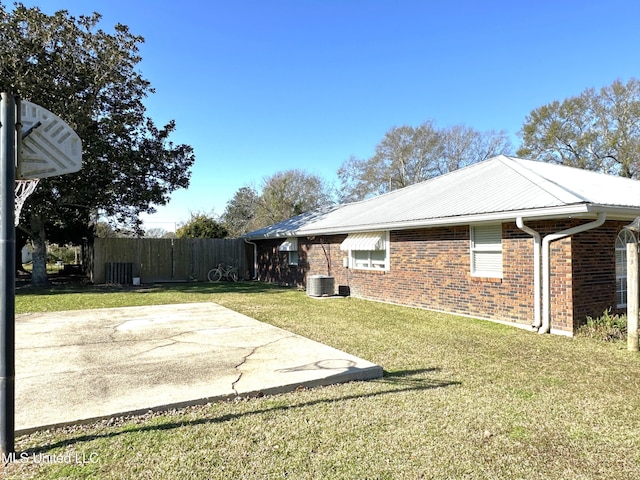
(119,260)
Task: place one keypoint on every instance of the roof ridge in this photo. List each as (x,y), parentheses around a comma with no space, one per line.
(562,194)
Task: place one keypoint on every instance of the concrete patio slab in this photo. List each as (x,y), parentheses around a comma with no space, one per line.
(80,366)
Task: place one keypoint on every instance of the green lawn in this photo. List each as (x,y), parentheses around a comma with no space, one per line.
(460,399)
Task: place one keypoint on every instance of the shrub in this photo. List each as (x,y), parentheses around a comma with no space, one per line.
(609,328)
(63,253)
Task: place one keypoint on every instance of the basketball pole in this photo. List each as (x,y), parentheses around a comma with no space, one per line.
(8,135)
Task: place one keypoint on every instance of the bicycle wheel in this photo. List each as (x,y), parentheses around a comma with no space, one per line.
(234,276)
(214,275)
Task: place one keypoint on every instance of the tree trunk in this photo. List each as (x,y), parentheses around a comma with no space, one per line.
(38,236)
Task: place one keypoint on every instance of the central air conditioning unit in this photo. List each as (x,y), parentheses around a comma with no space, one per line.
(320,286)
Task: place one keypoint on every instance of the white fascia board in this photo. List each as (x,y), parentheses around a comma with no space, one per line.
(581,210)
(273,235)
(616,212)
(557,212)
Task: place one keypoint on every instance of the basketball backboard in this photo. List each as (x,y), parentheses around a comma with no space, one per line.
(50,147)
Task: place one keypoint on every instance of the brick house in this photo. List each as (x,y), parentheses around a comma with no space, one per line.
(528,243)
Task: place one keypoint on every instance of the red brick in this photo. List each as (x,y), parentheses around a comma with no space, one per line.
(430,268)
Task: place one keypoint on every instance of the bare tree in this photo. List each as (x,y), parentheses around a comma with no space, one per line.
(408,155)
(156,232)
(596,130)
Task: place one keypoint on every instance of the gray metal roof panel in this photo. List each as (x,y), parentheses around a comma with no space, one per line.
(501,184)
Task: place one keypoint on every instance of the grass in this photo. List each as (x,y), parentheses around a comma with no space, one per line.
(460,399)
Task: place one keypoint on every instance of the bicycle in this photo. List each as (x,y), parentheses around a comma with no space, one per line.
(223,272)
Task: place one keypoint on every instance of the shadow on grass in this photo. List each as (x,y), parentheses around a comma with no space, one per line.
(399,381)
(205,288)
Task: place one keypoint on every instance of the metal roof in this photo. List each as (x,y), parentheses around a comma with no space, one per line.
(501,188)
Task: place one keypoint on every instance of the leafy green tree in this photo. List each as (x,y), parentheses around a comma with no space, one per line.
(201,225)
(289,193)
(241,212)
(88,77)
(596,130)
(408,155)
(282,195)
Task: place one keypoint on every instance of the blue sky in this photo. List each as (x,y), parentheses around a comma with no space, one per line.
(262,86)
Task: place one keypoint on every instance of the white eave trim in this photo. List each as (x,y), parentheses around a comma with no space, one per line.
(547,213)
(581,210)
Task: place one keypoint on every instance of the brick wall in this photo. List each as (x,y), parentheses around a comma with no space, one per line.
(594,274)
(582,272)
(430,268)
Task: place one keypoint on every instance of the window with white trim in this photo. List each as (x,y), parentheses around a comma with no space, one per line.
(486,250)
(624,237)
(290,246)
(367,251)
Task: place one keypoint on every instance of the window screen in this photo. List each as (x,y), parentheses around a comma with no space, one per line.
(486,250)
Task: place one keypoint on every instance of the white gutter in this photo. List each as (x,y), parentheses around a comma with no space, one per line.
(546,275)
(255,258)
(455,220)
(544,213)
(537,319)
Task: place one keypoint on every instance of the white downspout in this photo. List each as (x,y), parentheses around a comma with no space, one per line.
(255,258)
(546,275)
(537,318)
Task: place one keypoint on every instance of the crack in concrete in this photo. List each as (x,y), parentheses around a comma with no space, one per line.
(157,347)
(76,344)
(115,336)
(245,359)
(237,367)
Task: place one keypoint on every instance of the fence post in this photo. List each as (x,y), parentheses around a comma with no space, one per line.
(633,297)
